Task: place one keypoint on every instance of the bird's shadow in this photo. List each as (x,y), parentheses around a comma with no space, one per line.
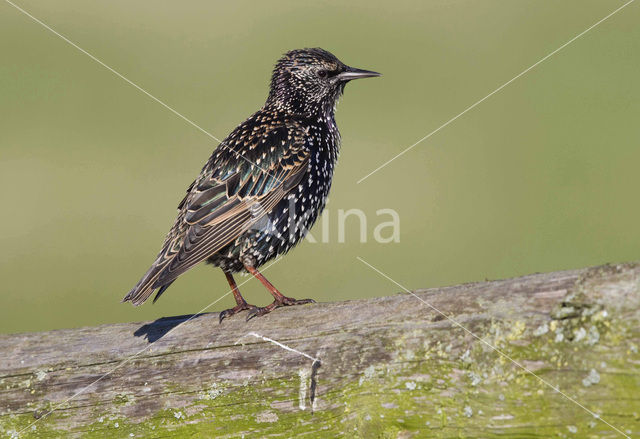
(159,328)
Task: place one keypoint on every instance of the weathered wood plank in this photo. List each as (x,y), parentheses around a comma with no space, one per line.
(391,367)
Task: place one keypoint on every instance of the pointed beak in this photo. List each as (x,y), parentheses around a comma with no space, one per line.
(353,73)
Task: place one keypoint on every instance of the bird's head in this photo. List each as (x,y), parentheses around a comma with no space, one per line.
(310,82)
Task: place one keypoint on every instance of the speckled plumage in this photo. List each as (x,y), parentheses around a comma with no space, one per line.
(265,184)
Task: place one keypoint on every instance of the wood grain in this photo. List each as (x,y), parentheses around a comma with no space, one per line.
(390,367)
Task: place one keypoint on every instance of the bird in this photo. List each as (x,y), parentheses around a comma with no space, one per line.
(264,185)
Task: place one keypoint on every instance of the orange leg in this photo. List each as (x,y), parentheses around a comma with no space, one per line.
(279,298)
(241,303)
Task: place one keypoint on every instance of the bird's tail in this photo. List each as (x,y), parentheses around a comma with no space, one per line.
(148,283)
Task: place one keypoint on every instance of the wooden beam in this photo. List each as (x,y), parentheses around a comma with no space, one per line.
(389,367)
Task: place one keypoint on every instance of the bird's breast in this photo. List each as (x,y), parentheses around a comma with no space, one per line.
(290,220)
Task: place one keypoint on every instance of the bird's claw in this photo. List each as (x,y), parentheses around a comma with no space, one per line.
(236,309)
(287,301)
(257,312)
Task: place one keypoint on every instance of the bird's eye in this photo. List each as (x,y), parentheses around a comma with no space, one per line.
(323,73)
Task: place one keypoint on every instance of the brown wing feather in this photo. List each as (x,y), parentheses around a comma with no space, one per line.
(220,206)
(204,240)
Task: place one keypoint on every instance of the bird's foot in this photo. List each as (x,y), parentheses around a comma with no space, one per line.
(286,301)
(235,310)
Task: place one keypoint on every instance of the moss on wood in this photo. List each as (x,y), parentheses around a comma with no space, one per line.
(388,375)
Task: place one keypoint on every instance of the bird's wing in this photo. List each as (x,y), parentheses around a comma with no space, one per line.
(231,194)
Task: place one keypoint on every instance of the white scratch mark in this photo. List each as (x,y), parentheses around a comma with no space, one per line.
(277,343)
(304,383)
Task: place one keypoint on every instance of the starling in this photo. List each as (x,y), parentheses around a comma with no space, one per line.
(264,185)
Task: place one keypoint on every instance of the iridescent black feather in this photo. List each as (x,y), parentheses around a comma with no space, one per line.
(266,183)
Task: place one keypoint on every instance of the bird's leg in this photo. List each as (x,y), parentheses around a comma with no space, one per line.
(241,303)
(279,298)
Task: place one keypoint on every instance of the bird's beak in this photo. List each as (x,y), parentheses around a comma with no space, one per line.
(353,73)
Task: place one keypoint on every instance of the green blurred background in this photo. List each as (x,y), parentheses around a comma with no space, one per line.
(541,176)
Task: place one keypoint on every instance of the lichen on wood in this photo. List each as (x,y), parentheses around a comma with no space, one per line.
(390,367)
